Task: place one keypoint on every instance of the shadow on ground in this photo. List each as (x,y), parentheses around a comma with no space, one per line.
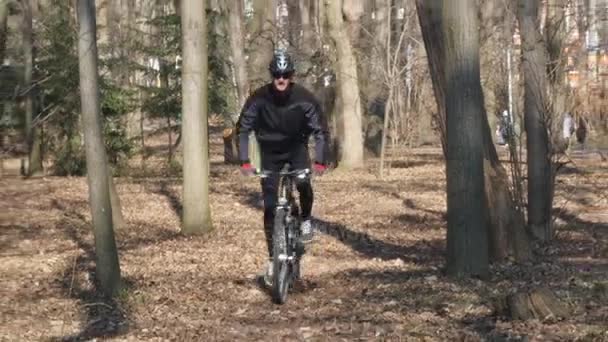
(174,199)
(386,304)
(104,317)
(421,251)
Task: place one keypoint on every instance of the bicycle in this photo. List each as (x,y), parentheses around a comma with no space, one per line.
(287,247)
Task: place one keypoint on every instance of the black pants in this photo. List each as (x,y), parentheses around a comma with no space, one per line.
(274,161)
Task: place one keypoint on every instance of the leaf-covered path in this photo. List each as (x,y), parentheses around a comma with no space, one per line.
(374,273)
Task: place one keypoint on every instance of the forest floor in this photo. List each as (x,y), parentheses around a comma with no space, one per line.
(374,272)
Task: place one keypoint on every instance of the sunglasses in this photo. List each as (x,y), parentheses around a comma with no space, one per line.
(282,75)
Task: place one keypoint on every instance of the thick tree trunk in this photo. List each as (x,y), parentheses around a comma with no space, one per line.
(467,249)
(197,210)
(534,60)
(108,268)
(506,224)
(351,153)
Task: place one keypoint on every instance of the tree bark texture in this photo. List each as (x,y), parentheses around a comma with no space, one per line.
(197,210)
(118,220)
(352,11)
(3,28)
(307,47)
(107,266)
(506,223)
(263,40)
(429,16)
(306,24)
(237,44)
(32,134)
(561,101)
(319,21)
(467,249)
(351,146)
(387,112)
(534,62)
(373,73)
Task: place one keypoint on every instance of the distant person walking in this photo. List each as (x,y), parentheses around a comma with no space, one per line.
(567,129)
(581,131)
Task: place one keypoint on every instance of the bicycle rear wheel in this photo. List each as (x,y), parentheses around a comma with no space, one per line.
(280,274)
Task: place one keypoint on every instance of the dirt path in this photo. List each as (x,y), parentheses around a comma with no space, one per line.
(373,274)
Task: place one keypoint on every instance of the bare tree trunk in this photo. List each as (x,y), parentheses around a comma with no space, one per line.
(555,38)
(235,18)
(118,220)
(306,25)
(429,16)
(381,30)
(3,28)
(306,44)
(351,155)
(263,39)
(467,242)
(107,265)
(534,60)
(352,11)
(263,42)
(121,24)
(392,76)
(319,22)
(237,43)
(387,112)
(34,167)
(374,71)
(506,223)
(197,210)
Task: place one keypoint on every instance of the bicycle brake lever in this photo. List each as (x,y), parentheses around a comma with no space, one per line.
(304,173)
(261,173)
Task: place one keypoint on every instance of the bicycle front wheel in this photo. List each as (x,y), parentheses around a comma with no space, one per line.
(280,281)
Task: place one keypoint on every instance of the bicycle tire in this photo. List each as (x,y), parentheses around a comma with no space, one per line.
(280,274)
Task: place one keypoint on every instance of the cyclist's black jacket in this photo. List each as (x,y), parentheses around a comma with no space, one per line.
(282,121)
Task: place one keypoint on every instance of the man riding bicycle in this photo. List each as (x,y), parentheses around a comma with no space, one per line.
(283,115)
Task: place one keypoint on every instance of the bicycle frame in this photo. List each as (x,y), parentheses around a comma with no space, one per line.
(287,248)
(286,200)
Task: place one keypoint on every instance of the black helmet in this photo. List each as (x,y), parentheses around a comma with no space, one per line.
(281,64)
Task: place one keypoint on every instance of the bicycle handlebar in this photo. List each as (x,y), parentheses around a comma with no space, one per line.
(266,173)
